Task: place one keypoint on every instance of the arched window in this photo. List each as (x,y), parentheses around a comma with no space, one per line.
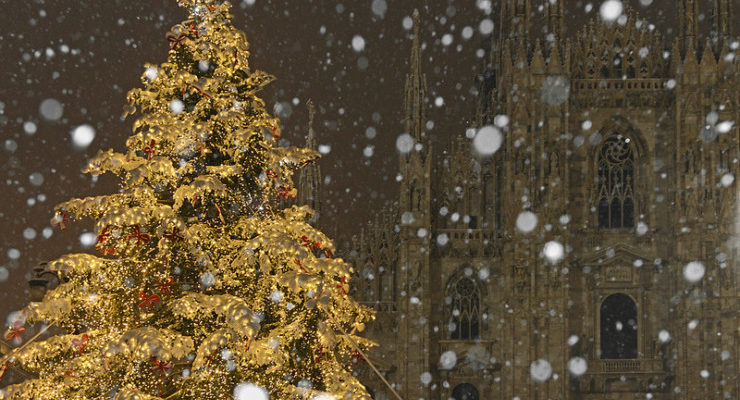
(465,391)
(464,309)
(616,183)
(618,327)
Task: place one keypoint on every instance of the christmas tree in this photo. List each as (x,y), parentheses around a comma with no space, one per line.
(204,287)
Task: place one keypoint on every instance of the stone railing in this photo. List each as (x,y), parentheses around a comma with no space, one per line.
(625,366)
(621,365)
(619,84)
(469,234)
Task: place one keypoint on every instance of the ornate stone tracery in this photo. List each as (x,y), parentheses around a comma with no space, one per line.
(464,309)
(616,172)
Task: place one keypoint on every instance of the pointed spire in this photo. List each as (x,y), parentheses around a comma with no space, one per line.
(311,139)
(416,88)
(554,66)
(416,47)
(707,58)
(555,18)
(309,177)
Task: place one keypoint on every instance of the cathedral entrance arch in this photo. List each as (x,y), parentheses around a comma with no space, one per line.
(618,317)
(465,391)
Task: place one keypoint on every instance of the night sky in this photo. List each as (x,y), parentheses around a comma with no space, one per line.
(87,54)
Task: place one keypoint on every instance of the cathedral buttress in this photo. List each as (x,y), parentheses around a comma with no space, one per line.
(688,18)
(515,19)
(723,19)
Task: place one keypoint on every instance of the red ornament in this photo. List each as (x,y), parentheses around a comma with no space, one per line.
(176,41)
(285,192)
(275,131)
(150,150)
(15,331)
(162,366)
(298,262)
(148,301)
(62,219)
(140,237)
(108,251)
(344,287)
(103,236)
(328,253)
(81,343)
(194,30)
(174,236)
(164,286)
(309,244)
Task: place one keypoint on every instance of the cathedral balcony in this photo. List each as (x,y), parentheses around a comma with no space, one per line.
(626,366)
(631,375)
(468,234)
(620,85)
(614,92)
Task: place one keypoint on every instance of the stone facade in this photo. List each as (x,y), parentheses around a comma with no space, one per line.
(621,142)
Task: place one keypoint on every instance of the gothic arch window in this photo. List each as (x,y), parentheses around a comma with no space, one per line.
(464,309)
(618,327)
(616,170)
(465,391)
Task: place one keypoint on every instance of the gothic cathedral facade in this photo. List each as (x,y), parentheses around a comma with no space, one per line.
(622,144)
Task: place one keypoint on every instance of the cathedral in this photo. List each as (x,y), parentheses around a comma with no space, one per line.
(592,253)
(587,250)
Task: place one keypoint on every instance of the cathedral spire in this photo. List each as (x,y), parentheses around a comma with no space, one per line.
(309,177)
(416,89)
(688,19)
(723,18)
(515,19)
(555,17)
(311,139)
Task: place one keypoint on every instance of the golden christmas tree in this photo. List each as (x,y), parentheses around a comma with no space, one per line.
(204,288)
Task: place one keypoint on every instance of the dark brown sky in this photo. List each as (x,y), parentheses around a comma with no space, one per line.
(88,53)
